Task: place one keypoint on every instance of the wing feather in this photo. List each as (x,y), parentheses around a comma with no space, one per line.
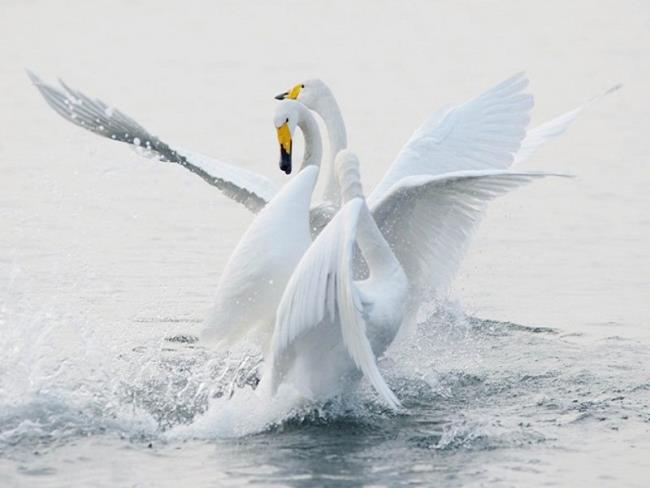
(321,288)
(482,133)
(246,187)
(538,136)
(427,220)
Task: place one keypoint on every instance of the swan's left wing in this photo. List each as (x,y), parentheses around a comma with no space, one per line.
(246,187)
(427,220)
(480,134)
(322,288)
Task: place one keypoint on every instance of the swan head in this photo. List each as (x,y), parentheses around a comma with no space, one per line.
(309,93)
(286,120)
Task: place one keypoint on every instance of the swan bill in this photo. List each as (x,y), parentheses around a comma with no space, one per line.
(291,94)
(284,138)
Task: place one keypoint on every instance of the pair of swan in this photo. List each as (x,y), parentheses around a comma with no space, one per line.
(424,210)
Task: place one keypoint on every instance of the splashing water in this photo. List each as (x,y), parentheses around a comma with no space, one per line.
(468,385)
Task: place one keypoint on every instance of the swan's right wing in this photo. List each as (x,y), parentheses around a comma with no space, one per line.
(480,134)
(322,288)
(427,220)
(250,189)
(538,136)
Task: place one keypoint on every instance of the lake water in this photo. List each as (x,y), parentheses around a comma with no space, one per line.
(535,370)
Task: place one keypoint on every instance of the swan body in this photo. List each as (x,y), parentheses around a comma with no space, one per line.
(260,266)
(328,324)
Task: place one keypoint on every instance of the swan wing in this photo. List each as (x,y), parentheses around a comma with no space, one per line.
(246,187)
(322,288)
(427,220)
(538,136)
(480,134)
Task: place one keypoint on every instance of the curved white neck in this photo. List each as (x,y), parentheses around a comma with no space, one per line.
(329,111)
(376,251)
(311,133)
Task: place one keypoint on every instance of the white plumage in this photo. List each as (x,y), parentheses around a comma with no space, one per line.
(326,322)
(257,271)
(332,312)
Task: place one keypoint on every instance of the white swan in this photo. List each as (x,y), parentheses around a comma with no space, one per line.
(486,132)
(482,133)
(259,268)
(328,324)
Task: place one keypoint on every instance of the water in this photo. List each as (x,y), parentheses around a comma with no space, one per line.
(534,372)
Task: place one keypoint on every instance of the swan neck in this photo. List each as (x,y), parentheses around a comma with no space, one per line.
(331,114)
(376,251)
(313,143)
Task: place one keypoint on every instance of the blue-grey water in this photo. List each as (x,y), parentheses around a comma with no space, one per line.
(533,371)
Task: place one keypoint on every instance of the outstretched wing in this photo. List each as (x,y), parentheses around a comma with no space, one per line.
(322,288)
(538,136)
(482,133)
(250,189)
(427,220)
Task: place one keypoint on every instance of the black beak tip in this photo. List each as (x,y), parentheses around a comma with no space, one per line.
(281,96)
(285,161)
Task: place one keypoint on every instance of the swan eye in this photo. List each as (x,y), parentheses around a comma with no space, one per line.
(287,121)
(302,86)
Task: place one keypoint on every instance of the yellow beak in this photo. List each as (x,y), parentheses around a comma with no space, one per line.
(291,94)
(284,138)
(294,92)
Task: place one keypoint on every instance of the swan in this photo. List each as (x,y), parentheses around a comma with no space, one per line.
(489,131)
(261,264)
(329,326)
(482,133)
(325,318)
